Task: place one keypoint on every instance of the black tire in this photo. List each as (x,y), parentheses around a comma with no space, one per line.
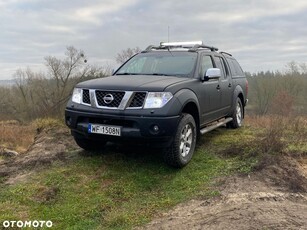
(90,145)
(237,115)
(182,148)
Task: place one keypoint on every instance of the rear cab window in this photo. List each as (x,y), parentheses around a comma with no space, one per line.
(235,68)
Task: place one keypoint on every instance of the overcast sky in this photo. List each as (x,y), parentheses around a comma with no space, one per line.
(261,34)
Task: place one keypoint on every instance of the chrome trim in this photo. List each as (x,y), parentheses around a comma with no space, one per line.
(108,99)
(126,100)
(124,104)
(135,108)
(94,103)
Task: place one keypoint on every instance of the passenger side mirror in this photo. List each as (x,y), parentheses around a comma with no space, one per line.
(212,73)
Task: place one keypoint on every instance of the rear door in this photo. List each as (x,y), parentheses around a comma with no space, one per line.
(225,85)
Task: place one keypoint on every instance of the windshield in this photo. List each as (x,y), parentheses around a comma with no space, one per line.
(160,63)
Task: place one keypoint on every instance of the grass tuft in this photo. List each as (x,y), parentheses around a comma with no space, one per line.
(46,123)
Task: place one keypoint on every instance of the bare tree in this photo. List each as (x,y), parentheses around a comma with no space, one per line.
(7,108)
(303,67)
(72,68)
(264,90)
(46,94)
(124,55)
(292,68)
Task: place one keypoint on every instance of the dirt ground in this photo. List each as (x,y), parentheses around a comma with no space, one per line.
(43,152)
(273,197)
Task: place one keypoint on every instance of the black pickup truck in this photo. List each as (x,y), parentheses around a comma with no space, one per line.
(165,96)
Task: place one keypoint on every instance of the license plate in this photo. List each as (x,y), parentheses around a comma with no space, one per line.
(104,129)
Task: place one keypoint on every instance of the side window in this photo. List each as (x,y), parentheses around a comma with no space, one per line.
(232,67)
(226,67)
(206,63)
(219,64)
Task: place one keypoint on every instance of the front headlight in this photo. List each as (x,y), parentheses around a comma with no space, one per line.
(156,100)
(77,95)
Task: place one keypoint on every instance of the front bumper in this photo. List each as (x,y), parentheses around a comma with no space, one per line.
(139,129)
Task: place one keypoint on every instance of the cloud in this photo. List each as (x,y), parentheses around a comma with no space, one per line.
(263,34)
(95,12)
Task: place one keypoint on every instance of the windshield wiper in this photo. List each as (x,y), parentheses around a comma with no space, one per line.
(153,74)
(164,74)
(161,74)
(127,74)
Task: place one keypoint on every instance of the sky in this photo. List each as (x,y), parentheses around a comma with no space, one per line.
(261,34)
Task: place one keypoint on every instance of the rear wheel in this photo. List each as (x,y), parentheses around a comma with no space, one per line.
(237,115)
(181,150)
(90,145)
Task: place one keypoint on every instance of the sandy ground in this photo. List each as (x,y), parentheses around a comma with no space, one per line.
(272,198)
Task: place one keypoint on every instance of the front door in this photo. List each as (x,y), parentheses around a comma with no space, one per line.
(210,92)
(225,84)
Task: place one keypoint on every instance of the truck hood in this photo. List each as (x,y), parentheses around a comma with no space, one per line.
(133,83)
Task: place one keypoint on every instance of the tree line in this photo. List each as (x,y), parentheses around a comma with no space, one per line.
(281,93)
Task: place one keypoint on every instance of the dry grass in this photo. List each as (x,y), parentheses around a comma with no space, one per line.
(16,136)
(280,134)
(19,137)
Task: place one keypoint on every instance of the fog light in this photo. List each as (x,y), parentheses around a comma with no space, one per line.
(156,128)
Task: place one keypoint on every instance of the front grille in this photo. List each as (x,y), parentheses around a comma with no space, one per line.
(86,96)
(138,100)
(117,98)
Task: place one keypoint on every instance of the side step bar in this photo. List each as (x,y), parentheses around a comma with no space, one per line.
(211,127)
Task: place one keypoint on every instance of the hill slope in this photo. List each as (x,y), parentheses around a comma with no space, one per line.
(232,182)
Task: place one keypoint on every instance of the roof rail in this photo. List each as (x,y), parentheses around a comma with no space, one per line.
(222,52)
(149,48)
(212,48)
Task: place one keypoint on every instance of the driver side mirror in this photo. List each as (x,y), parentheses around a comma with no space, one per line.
(212,73)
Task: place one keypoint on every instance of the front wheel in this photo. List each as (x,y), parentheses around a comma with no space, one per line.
(181,150)
(90,145)
(237,115)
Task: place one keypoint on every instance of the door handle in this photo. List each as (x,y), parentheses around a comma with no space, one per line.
(218,87)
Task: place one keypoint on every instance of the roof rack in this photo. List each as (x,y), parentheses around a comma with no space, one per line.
(222,52)
(181,44)
(192,46)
